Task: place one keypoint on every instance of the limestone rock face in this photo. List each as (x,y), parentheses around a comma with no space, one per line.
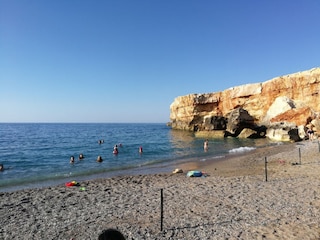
(293,98)
(280,131)
(297,116)
(280,105)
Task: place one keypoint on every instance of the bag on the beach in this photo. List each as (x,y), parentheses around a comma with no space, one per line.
(194,174)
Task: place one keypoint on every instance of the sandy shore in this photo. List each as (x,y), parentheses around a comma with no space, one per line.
(233,202)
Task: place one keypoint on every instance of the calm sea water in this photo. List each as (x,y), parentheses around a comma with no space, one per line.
(38,154)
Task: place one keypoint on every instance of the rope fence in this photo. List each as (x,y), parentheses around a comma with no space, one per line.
(167,214)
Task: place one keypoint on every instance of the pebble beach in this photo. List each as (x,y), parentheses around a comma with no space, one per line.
(241,197)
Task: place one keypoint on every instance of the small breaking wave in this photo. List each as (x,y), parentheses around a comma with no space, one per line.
(241,149)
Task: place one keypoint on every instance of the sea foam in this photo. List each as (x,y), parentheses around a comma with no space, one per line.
(241,149)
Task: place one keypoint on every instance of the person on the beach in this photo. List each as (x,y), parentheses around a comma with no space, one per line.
(310,133)
(206,145)
(140,149)
(115,149)
(99,159)
(81,156)
(72,159)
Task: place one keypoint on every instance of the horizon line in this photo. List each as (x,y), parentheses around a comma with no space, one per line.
(83,122)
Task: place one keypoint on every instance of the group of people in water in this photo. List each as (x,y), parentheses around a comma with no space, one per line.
(99,158)
(81,156)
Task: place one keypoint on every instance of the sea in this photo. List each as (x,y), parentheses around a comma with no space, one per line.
(38,154)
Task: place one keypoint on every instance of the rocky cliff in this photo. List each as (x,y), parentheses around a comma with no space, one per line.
(293,100)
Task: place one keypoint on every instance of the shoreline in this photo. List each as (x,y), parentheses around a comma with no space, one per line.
(226,165)
(161,167)
(233,201)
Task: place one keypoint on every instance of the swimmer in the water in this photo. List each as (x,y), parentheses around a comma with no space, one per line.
(140,150)
(99,159)
(81,156)
(1,167)
(115,149)
(72,159)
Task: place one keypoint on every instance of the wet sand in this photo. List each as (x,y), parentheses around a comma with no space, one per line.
(234,201)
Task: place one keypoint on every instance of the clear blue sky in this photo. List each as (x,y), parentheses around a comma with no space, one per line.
(126,60)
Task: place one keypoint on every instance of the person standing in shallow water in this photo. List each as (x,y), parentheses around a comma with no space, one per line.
(206,145)
(115,149)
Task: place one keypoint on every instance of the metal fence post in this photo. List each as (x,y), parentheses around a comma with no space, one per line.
(161,210)
(299,156)
(265,168)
